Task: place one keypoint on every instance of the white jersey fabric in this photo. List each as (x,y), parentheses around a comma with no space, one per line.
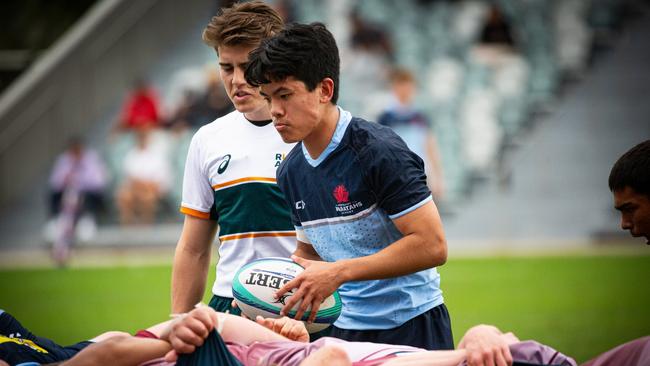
(230,177)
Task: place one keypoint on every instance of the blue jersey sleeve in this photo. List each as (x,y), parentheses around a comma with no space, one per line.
(395,174)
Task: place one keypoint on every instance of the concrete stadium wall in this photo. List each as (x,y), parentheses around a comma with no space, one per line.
(81,77)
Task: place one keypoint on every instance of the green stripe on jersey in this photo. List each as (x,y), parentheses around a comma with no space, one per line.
(250,207)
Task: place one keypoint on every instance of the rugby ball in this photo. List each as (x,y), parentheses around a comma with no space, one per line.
(256,282)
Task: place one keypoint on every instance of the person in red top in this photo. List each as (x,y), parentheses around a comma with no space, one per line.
(141,107)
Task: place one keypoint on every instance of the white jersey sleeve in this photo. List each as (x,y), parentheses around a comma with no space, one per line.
(198,196)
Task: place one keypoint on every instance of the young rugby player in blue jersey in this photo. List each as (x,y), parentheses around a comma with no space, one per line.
(365,220)
(230,172)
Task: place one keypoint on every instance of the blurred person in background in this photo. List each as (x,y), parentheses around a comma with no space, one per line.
(496,29)
(367,64)
(79,172)
(198,109)
(369,36)
(413,127)
(141,108)
(629,181)
(147,178)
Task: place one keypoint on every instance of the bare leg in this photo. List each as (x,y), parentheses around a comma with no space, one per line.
(125,203)
(148,201)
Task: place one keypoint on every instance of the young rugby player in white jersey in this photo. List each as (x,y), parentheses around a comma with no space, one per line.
(229,179)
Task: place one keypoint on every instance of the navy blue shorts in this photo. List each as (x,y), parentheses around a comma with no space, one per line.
(224,305)
(212,352)
(18,344)
(430,330)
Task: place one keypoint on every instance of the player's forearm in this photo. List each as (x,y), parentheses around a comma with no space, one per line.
(422,246)
(306,251)
(189,276)
(120,351)
(412,253)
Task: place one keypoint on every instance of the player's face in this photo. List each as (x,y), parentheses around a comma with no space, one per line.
(245,98)
(404,91)
(297,113)
(635,212)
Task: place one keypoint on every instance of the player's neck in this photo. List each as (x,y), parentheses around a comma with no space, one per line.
(321,136)
(259,115)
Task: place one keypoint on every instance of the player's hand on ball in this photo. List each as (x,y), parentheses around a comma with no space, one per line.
(190,331)
(234,305)
(318,281)
(292,329)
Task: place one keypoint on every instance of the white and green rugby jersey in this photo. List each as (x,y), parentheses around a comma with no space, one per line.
(230,177)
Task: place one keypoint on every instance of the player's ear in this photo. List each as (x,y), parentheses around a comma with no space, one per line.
(326,89)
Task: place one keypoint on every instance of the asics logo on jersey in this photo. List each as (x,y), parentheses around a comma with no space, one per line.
(224,164)
(300,205)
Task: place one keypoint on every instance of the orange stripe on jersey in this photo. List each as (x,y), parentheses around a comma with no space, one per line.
(254,235)
(241,180)
(195,213)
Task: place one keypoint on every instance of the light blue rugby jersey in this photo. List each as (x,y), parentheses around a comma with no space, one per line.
(343,204)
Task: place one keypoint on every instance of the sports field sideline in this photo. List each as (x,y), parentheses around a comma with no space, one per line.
(582,302)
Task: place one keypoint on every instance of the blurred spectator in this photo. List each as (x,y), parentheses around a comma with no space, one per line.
(188,79)
(413,127)
(496,42)
(141,108)
(366,65)
(495,105)
(147,178)
(79,170)
(197,109)
(496,29)
(369,37)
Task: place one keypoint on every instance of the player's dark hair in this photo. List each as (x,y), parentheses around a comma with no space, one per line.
(306,52)
(242,24)
(632,170)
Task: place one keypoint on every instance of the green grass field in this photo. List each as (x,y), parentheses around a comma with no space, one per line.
(581,305)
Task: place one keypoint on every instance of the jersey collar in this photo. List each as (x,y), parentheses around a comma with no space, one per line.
(341,126)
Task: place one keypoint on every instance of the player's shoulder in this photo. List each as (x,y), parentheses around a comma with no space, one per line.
(294,154)
(219,127)
(291,161)
(369,138)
